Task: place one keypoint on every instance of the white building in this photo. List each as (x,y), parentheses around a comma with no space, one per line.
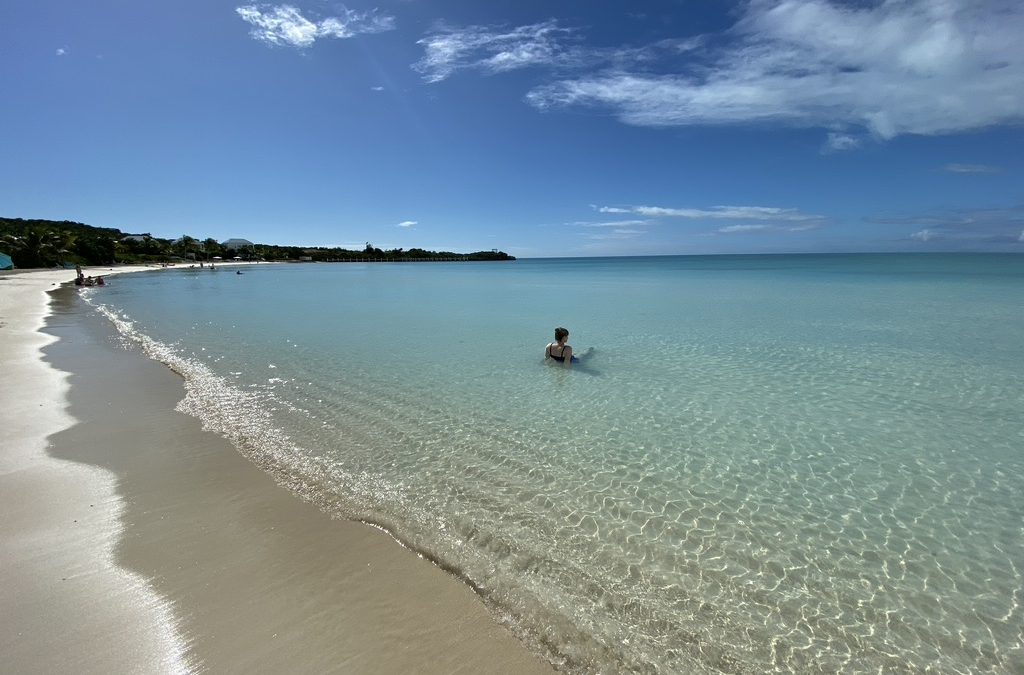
(237,244)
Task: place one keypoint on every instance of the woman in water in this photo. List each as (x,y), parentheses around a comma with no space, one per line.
(558,350)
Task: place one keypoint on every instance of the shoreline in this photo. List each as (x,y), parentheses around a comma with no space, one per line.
(236,572)
(61,521)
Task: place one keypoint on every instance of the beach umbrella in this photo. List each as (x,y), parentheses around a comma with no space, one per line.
(5,262)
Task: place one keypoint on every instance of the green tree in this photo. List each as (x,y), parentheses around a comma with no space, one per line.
(212,247)
(33,248)
(187,246)
(98,249)
(64,244)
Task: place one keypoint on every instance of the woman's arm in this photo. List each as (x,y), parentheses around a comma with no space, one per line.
(567,353)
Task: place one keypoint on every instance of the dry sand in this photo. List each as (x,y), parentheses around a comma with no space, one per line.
(141,543)
(61,592)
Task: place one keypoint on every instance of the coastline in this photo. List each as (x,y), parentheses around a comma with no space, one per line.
(60,522)
(185,556)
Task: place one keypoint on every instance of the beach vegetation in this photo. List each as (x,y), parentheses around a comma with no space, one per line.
(50,243)
(213,249)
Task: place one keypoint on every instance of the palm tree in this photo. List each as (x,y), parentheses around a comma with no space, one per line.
(212,248)
(187,245)
(35,248)
(62,242)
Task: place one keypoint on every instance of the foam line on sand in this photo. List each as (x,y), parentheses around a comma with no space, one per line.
(135,541)
(67,606)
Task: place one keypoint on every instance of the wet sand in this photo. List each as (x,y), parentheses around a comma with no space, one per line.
(185,556)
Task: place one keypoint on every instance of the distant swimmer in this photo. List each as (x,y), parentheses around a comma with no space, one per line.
(238,271)
(560,352)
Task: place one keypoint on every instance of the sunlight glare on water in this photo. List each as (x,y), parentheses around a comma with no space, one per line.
(769,463)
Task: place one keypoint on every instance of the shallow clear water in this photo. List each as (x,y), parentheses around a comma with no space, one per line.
(769,463)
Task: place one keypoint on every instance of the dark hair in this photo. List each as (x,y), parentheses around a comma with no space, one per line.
(561,333)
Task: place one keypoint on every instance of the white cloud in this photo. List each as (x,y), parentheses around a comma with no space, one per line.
(991,225)
(970,168)
(761,219)
(377,88)
(61,51)
(718,212)
(730,229)
(892,67)
(989,228)
(609,223)
(838,142)
(493,50)
(408,223)
(285,25)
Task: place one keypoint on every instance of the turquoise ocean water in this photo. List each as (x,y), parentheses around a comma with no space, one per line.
(770,463)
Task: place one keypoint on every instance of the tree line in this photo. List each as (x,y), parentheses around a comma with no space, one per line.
(65,243)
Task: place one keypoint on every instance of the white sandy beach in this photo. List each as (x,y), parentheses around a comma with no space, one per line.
(62,592)
(160,549)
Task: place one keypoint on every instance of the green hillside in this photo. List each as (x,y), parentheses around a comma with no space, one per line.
(49,243)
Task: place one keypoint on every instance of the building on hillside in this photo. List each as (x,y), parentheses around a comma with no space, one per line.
(237,244)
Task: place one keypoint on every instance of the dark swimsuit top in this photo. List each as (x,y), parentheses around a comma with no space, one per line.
(560,359)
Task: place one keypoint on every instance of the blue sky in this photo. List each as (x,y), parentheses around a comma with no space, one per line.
(556,128)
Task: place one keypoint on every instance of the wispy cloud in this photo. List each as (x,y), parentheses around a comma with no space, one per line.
(769,213)
(614,235)
(838,142)
(767,228)
(376,88)
(759,219)
(61,51)
(730,229)
(491,49)
(970,168)
(979,226)
(609,223)
(285,24)
(888,68)
(408,223)
(611,230)
(498,49)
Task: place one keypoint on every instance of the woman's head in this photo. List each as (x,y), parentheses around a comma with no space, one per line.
(561,333)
